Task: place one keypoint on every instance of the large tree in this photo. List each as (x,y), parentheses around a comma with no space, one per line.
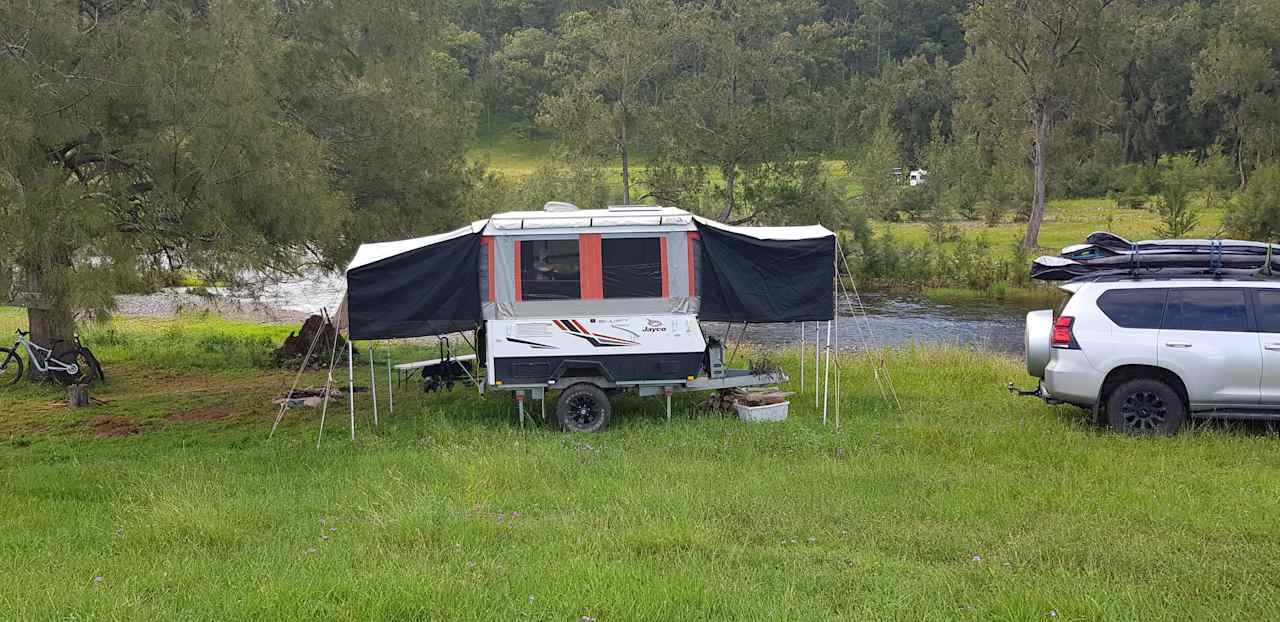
(613,63)
(237,138)
(133,135)
(1237,77)
(1051,50)
(748,92)
(376,83)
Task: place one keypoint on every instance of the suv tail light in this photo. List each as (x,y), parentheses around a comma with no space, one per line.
(1063,338)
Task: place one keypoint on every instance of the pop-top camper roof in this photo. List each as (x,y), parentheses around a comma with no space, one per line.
(562,261)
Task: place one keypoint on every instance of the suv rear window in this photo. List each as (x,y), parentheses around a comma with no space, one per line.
(1269,310)
(1134,308)
(1223,310)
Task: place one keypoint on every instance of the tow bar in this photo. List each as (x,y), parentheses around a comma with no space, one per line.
(1038,392)
(1020,393)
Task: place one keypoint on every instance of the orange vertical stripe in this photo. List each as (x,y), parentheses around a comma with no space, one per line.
(666,289)
(590,266)
(519,291)
(488,244)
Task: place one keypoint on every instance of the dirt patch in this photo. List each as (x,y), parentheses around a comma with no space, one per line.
(209,414)
(106,426)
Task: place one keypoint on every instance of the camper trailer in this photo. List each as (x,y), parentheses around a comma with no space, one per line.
(584,302)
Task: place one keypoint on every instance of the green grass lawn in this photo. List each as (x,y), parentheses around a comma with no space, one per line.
(965,503)
(1066,222)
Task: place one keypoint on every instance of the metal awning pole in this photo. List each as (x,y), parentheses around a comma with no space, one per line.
(801,357)
(391,391)
(289,396)
(351,385)
(826,377)
(373,385)
(817,335)
(328,382)
(835,319)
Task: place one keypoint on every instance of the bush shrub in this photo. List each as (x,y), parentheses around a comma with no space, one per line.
(1256,215)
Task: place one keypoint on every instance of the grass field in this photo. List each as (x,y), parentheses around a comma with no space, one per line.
(966,503)
(1066,222)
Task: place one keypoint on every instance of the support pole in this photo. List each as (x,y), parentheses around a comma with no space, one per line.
(826,377)
(817,335)
(667,392)
(351,385)
(801,357)
(836,324)
(373,386)
(520,406)
(305,360)
(391,390)
(328,382)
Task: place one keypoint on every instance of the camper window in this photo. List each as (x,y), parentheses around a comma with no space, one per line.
(631,267)
(549,270)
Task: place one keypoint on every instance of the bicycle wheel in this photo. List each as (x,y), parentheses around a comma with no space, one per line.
(10,367)
(82,366)
(98,374)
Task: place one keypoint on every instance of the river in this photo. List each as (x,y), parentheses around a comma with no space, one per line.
(891,319)
(896,320)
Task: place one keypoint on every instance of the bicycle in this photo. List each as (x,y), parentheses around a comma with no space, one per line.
(67,364)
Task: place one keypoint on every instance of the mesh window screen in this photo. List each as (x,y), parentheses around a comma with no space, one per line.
(632,267)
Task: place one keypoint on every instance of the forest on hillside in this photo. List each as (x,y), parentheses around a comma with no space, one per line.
(257,135)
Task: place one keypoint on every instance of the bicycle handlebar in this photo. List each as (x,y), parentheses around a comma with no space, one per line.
(19,331)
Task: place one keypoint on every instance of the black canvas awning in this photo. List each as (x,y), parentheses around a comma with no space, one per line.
(766,274)
(415,288)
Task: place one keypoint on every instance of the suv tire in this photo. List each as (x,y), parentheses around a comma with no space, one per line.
(1145,407)
(583,407)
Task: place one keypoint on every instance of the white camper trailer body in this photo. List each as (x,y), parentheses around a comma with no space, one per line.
(570,298)
(585,331)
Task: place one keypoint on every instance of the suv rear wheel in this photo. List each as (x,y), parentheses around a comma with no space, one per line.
(1146,407)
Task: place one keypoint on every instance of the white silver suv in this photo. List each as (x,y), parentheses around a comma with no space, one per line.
(1145,354)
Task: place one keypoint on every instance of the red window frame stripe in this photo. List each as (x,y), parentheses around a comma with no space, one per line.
(590,267)
(662,245)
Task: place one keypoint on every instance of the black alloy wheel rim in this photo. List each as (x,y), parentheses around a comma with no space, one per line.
(1144,410)
(584,411)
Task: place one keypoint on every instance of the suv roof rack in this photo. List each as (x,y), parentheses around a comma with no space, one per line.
(1173,274)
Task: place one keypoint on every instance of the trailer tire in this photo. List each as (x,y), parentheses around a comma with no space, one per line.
(583,407)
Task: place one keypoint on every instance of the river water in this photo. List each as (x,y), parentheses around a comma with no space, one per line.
(897,320)
(890,319)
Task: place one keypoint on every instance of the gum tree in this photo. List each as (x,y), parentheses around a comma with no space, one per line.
(1049,53)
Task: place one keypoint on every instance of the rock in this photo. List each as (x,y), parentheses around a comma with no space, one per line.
(295,346)
(313,402)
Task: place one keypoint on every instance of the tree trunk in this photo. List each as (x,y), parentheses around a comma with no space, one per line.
(48,326)
(730,172)
(1040,124)
(626,166)
(1244,180)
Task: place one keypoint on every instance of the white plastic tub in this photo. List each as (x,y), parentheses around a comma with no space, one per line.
(771,412)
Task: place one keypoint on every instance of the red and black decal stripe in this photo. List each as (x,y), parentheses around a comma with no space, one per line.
(535,345)
(575,328)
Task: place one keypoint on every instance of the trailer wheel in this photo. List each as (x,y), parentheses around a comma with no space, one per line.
(583,407)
